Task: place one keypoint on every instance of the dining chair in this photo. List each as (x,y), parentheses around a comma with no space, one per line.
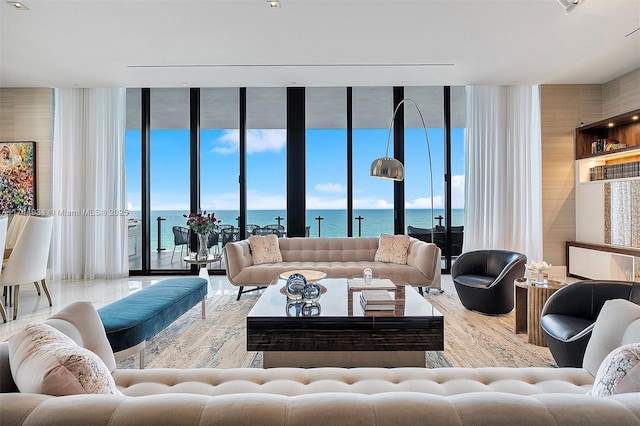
(281,230)
(265,231)
(213,241)
(180,238)
(250,227)
(4,220)
(13,232)
(28,260)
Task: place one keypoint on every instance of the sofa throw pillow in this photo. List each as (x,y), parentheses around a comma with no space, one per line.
(618,324)
(46,361)
(619,372)
(265,249)
(392,249)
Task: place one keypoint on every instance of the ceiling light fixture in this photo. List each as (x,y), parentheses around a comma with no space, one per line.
(569,5)
(273,4)
(17,5)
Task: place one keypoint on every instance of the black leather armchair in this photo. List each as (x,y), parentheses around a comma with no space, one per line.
(568,316)
(484,279)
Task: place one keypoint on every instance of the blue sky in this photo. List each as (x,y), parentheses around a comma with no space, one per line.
(266,178)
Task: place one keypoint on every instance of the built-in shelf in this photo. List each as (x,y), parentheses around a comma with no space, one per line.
(622,163)
(624,128)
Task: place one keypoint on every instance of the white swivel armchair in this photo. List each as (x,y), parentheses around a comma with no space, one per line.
(3,236)
(28,260)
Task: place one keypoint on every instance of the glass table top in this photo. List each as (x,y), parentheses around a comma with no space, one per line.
(339,301)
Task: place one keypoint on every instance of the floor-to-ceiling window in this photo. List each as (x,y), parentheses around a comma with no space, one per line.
(219,158)
(239,167)
(417,174)
(326,162)
(458,127)
(266,157)
(169,174)
(372,197)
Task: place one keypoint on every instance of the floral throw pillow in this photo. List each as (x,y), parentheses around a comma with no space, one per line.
(265,249)
(619,372)
(44,360)
(392,249)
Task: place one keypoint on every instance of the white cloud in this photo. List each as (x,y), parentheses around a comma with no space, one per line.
(220,201)
(315,203)
(425,203)
(457,192)
(330,187)
(263,201)
(258,140)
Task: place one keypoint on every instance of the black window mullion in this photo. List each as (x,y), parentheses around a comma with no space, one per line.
(145,111)
(447,175)
(349,162)
(242,178)
(398,153)
(296,169)
(194,159)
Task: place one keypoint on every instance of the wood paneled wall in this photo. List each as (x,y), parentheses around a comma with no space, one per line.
(564,107)
(621,95)
(26,115)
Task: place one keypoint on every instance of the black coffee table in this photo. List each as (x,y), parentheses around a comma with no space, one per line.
(342,334)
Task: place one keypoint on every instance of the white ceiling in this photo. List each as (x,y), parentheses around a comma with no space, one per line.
(216,43)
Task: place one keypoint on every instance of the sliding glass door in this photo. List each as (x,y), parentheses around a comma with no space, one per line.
(372,198)
(220,161)
(326,162)
(224,150)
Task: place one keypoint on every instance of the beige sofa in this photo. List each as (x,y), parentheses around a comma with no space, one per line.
(357,396)
(337,257)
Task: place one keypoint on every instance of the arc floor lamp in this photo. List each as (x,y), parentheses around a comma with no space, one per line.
(391,168)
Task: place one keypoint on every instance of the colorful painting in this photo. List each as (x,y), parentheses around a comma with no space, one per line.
(17,177)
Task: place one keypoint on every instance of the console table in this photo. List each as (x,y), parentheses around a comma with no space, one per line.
(602,261)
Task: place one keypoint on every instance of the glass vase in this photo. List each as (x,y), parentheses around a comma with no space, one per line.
(203,251)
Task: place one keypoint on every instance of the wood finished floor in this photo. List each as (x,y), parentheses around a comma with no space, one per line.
(471,339)
(475,340)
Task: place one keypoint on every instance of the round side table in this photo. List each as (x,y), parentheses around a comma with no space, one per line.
(204,273)
(529,301)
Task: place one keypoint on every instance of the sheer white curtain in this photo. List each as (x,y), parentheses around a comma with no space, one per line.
(89,200)
(503,170)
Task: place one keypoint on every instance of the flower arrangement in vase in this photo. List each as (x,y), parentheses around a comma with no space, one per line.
(537,271)
(202,224)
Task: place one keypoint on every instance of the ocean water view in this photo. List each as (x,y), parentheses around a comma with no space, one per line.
(333,223)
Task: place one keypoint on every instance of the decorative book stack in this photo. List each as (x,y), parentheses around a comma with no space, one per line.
(377,300)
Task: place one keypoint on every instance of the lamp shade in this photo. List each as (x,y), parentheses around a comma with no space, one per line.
(387,168)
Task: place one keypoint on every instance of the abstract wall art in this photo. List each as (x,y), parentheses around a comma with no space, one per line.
(17,177)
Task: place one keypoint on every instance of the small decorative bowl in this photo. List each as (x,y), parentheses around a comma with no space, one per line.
(295,286)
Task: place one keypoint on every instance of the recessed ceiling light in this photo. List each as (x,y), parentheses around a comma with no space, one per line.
(635,117)
(17,5)
(610,124)
(273,4)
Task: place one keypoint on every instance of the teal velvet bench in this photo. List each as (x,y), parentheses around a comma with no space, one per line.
(134,319)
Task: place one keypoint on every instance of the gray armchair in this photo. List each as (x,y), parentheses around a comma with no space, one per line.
(484,279)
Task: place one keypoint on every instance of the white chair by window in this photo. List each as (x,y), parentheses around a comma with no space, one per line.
(13,232)
(4,220)
(28,260)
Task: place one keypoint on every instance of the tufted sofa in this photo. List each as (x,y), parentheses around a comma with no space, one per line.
(337,257)
(295,396)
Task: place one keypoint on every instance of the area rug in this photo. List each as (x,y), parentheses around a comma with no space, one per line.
(216,341)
